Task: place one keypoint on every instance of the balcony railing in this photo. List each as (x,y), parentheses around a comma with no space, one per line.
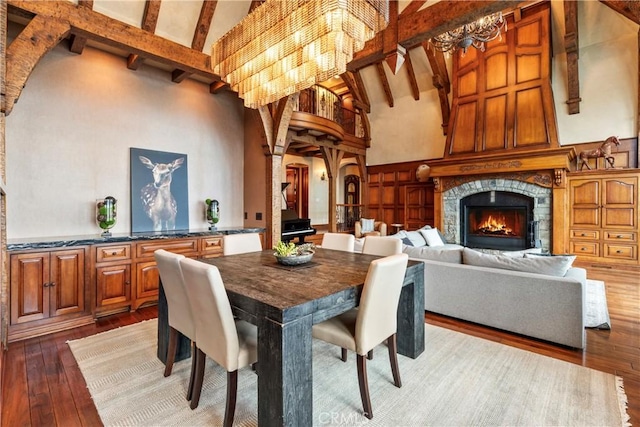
(322,102)
(347,215)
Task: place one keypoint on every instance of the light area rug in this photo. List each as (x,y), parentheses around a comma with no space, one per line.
(597,312)
(459,380)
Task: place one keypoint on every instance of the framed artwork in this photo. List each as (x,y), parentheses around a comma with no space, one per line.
(159,191)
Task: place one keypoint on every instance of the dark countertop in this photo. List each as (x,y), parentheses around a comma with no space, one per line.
(93,239)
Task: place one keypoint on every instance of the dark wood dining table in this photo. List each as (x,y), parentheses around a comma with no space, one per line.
(284,302)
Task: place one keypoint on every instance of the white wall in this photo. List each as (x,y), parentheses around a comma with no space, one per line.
(68,141)
(608,71)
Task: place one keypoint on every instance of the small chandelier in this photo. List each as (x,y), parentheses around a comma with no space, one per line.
(283,47)
(475,34)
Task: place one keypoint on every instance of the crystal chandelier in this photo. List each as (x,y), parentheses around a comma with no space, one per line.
(283,47)
(475,34)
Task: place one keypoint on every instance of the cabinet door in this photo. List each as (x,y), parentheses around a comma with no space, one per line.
(147,280)
(113,285)
(585,202)
(29,296)
(66,286)
(619,203)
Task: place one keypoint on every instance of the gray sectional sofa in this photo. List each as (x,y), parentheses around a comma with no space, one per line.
(540,297)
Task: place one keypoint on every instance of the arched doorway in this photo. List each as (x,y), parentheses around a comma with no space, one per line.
(297,192)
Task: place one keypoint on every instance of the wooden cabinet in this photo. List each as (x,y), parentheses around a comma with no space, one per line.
(113,277)
(47,291)
(604,215)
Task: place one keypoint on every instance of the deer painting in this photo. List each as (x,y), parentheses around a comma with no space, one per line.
(157,200)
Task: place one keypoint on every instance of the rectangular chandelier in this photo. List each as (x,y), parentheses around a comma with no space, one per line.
(285,46)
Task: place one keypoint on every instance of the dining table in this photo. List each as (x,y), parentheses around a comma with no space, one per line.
(284,302)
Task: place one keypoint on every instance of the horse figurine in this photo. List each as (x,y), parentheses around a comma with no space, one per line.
(603,151)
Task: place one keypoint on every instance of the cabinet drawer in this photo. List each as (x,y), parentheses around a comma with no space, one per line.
(585,234)
(629,252)
(146,249)
(585,248)
(211,246)
(113,253)
(620,236)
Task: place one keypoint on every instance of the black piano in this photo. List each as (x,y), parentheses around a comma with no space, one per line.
(293,226)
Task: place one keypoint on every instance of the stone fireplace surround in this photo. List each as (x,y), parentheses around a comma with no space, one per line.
(540,174)
(541,208)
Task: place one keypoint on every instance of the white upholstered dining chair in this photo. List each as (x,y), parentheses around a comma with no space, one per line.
(381,246)
(179,308)
(338,241)
(231,343)
(241,243)
(373,322)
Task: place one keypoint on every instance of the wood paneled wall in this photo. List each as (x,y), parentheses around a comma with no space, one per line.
(397,197)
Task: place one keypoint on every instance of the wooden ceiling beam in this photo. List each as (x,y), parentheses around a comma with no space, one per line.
(385,83)
(217,87)
(362,89)
(415,28)
(25,51)
(199,35)
(115,33)
(630,9)
(413,82)
(77,43)
(440,81)
(149,22)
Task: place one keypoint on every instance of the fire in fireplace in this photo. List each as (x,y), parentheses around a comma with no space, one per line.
(497,220)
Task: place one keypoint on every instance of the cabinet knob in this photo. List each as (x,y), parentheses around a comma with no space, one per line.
(114,253)
(583,249)
(127,282)
(46,285)
(618,237)
(618,252)
(52,284)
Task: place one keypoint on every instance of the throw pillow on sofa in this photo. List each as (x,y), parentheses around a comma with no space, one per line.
(552,266)
(416,238)
(450,255)
(432,237)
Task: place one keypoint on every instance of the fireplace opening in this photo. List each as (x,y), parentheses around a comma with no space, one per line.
(498,220)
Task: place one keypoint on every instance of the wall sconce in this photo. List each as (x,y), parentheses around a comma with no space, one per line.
(323,177)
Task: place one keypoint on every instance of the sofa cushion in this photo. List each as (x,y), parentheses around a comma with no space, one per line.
(432,237)
(451,254)
(406,241)
(416,238)
(552,266)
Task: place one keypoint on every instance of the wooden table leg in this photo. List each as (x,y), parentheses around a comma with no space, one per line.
(411,313)
(285,372)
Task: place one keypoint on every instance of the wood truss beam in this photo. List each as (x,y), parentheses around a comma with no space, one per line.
(23,54)
(630,9)
(199,35)
(332,158)
(112,32)
(149,22)
(572,47)
(440,82)
(415,28)
(77,43)
(413,82)
(385,83)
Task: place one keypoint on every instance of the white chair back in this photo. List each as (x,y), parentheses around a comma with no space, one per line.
(178,305)
(241,243)
(216,333)
(382,246)
(378,310)
(338,241)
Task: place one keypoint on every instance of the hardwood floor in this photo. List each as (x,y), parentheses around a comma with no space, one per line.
(43,385)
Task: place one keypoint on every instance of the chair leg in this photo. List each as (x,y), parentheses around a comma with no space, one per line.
(232,391)
(370,355)
(364,385)
(392,343)
(171,351)
(344,354)
(197,385)
(192,377)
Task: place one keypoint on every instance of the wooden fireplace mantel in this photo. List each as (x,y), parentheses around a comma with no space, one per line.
(513,161)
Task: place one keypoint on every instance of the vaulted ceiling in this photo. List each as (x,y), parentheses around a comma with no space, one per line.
(177,35)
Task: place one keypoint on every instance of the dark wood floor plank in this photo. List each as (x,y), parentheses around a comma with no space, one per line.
(40,404)
(15,409)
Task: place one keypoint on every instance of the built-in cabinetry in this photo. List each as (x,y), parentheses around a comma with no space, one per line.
(604,224)
(48,292)
(59,288)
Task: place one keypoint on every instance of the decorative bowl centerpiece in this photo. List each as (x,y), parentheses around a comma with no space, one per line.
(290,254)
